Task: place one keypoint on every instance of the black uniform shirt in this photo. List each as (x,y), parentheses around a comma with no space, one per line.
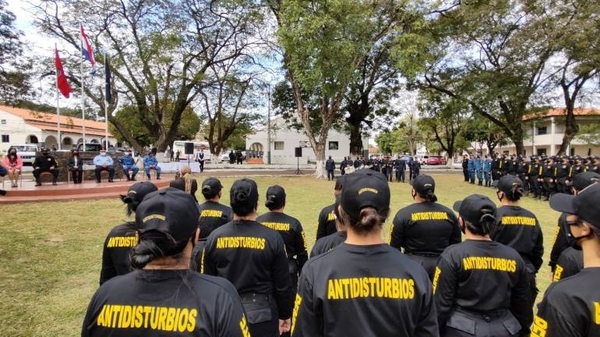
(44,162)
(323,245)
(570,307)
(569,263)
(519,228)
(425,228)
(165,303)
(560,241)
(253,258)
(326,225)
(292,233)
(115,254)
(212,216)
(364,291)
(482,276)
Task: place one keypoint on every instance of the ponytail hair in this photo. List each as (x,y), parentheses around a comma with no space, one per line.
(485,225)
(515,193)
(368,220)
(429,196)
(131,203)
(154,244)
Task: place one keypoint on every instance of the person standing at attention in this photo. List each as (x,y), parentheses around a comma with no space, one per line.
(364,287)
(425,228)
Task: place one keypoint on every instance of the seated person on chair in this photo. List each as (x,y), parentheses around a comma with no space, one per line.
(3,172)
(128,164)
(75,166)
(151,163)
(104,162)
(13,163)
(45,163)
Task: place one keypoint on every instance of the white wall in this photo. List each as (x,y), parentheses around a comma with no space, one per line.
(16,129)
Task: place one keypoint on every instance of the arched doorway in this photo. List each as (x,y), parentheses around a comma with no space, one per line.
(50,142)
(67,143)
(255,150)
(32,139)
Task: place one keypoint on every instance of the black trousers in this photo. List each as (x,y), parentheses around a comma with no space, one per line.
(99,169)
(37,172)
(428,262)
(463,323)
(77,176)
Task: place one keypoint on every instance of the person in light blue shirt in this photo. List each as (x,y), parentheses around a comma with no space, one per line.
(128,164)
(471,169)
(151,163)
(104,162)
(487,171)
(479,170)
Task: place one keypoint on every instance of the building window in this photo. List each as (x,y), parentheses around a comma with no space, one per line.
(541,152)
(542,130)
(278,145)
(5,139)
(334,146)
(3,121)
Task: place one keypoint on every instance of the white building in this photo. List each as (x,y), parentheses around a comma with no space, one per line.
(284,141)
(544,134)
(24,126)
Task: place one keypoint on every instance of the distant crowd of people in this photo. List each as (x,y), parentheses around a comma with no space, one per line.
(542,176)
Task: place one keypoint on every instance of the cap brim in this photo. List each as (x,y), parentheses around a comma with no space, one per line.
(456,205)
(495,183)
(563,202)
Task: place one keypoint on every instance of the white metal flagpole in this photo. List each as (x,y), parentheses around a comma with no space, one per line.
(58,111)
(82,104)
(106,115)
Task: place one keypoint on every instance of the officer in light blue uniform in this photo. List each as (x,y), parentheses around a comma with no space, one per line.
(471,169)
(479,170)
(487,171)
(128,164)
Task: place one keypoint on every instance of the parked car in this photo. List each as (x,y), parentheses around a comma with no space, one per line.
(435,160)
(26,151)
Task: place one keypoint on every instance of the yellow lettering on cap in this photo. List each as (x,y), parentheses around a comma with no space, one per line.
(367,189)
(154,216)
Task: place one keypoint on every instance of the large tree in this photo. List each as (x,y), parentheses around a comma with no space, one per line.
(159,51)
(13,71)
(496,65)
(324,44)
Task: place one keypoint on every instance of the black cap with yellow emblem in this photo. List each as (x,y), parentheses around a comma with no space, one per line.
(170,211)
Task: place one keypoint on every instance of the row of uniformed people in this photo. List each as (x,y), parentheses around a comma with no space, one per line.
(392,168)
(350,280)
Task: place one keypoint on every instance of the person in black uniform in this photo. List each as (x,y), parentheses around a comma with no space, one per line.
(570,307)
(425,228)
(75,166)
(400,167)
(519,228)
(570,262)
(364,287)
(481,287)
(327,243)
(326,222)
(330,168)
(290,229)
(163,297)
(465,167)
(253,258)
(563,175)
(45,163)
(549,178)
(120,240)
(562,241)
(213,215)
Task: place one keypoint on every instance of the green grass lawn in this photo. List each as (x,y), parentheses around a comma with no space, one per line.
(50,252)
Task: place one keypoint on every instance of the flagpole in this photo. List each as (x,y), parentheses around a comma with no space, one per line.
(58,110)
(82,104)
(106,113)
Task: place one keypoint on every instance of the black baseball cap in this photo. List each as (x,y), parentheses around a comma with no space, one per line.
(139,190)
(243,192)
(506,183)
(211,185)
(339,183)
(584,204)
(585,179)
(365,188)
(275,197)
(168,210)
(423,183)
(473,207)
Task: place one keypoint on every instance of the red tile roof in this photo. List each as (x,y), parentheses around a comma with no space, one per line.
(48,121)
(558,112)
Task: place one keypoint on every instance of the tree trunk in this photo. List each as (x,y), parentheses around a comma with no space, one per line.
(319,150)
(571,129)
(356,145)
